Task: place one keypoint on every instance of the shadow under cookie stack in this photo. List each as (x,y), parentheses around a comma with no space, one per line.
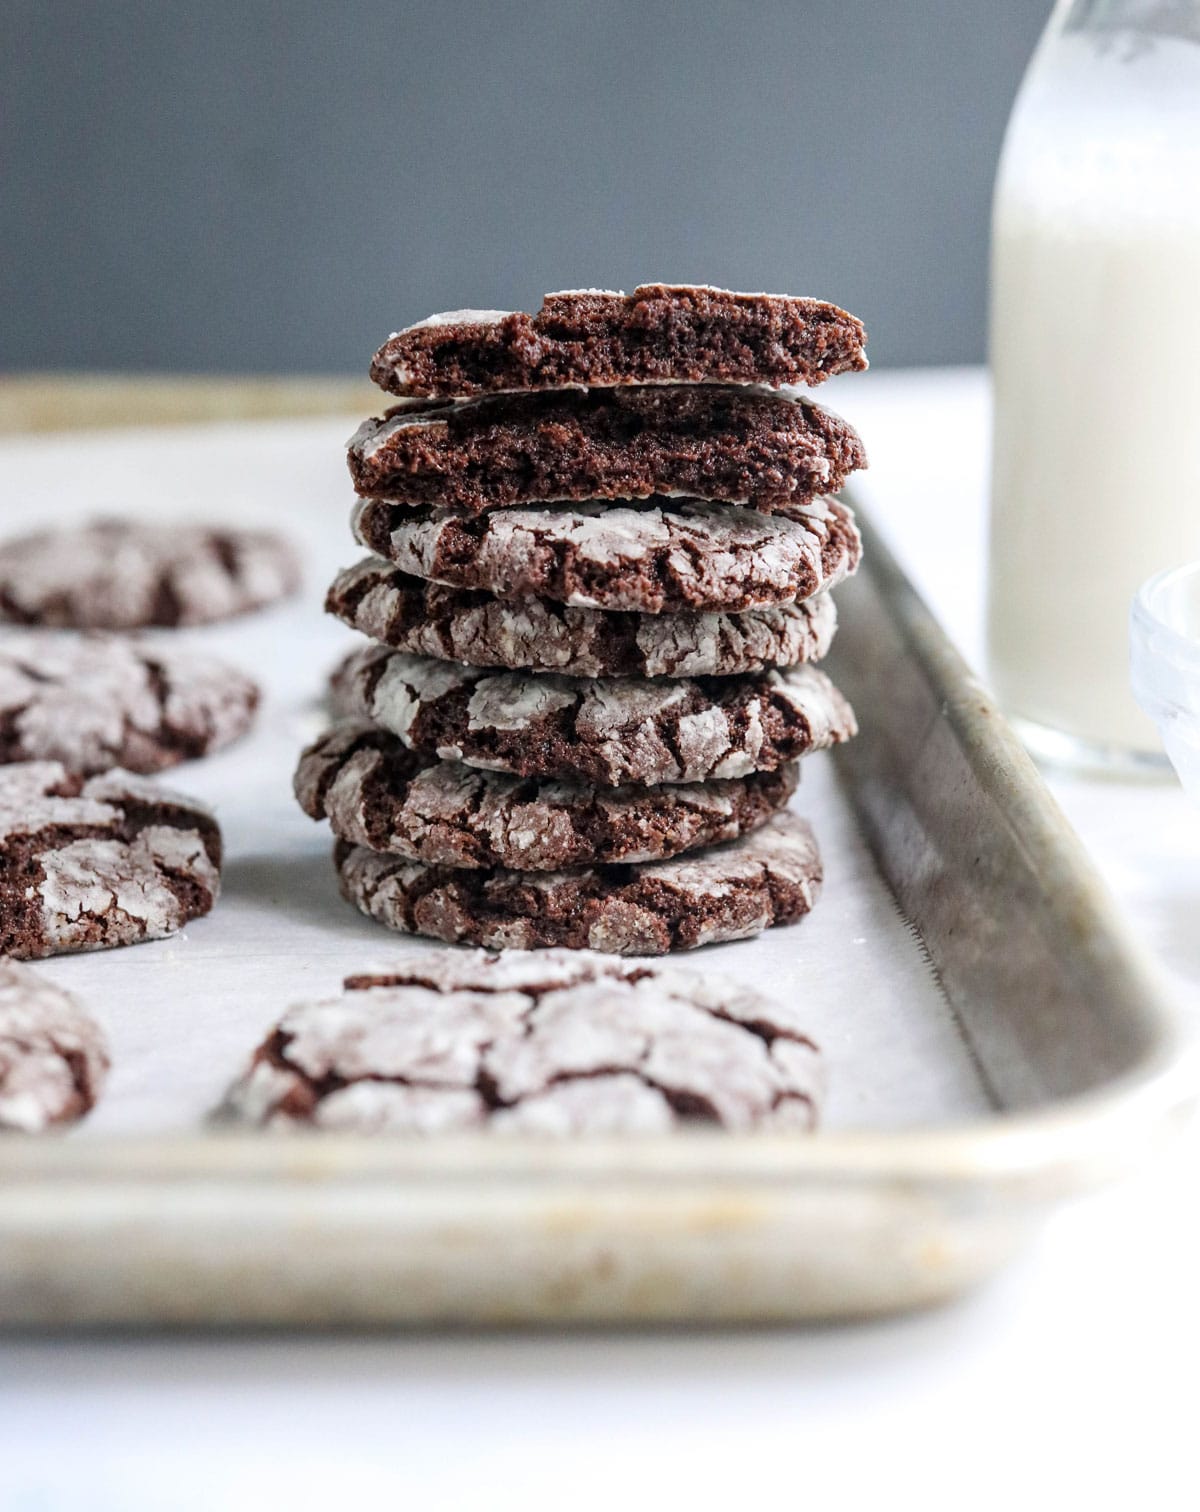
(603,541)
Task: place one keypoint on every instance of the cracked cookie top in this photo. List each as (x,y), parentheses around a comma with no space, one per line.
(607,731)
(375,792)
(654,557)
(727,892)
(53,1056)
(562,1042)
(117,574)
(94,702)
(536,634)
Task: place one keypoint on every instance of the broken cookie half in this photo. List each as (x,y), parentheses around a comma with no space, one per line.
(86,864)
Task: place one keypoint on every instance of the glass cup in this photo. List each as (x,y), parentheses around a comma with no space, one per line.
(1164,630)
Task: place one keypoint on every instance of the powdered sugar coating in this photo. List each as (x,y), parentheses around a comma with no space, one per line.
(117,574)
(464,625)
(576,1044)
(94,702)
(608,731)
(85,865)
(455,318)
(53,1056)
(373,434)
(660,557)
(123,882)
(728,892)
(499,703)
(377,793)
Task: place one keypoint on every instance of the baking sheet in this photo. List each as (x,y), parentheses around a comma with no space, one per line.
(183,1014)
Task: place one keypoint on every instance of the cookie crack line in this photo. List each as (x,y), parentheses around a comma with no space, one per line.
(486,1087)
(415,973)
(485,1084)
(274,1052)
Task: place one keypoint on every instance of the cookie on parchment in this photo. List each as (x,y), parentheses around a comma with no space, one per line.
(85,865)
(594,338)
(746,446)
(730,892)
(53,1056)
(126,575)
(607,731)
(654,557)
(98,701)
(481,630)
(375,792)
(563,1042)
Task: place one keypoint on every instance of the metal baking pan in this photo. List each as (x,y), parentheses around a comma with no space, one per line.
(1080,1054)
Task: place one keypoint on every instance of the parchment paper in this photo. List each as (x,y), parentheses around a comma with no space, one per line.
(183,1014)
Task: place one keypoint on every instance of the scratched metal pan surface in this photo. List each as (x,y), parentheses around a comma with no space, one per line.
(1079,1052)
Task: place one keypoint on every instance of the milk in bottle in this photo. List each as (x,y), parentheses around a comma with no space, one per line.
(1095,352)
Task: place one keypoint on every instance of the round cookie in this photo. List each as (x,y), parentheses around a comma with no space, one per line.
(53,1058)
(660,556)
(94,702)
(126,575)
(481,630)
(85,865)
(744,446)
(593,338)
(607,731)
(557,1043)
(731,892)
(375,792)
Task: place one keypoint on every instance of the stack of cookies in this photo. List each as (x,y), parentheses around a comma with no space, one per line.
(602,540)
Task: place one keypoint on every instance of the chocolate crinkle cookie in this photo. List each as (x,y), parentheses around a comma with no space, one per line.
(85,865)
(653,557)
(375,792)
(730,892)
(477,628)
(559,1043)
(96,701)
(125,575)
(593,338)
(607,731)
(745,446)
(53,1057)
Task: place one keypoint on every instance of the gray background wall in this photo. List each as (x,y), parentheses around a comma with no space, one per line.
(261,186)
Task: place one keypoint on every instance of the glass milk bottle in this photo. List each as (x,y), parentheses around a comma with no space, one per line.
(1095,353)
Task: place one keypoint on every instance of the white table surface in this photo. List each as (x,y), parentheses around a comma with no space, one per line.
(1069,1381)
